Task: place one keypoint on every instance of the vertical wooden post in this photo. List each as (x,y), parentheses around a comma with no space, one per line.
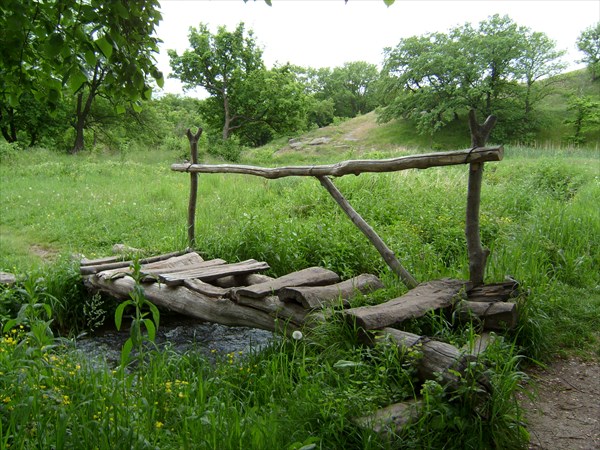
(191,225)
(477,254)
(385,252)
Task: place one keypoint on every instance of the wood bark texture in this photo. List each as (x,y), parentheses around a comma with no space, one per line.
(92,268)
(314,297)
(415,303)
(208,270)
(313,276)
(493,316)
(193,138)
(354,167)
(391,419)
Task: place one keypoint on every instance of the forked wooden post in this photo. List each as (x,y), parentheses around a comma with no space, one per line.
(477,254)
(193,138)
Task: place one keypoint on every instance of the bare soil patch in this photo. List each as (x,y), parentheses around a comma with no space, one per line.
(45,254)
(565,414)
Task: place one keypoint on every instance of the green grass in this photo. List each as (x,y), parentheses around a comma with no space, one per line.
(537,216)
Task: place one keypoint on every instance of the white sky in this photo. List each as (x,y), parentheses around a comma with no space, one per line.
(328,33)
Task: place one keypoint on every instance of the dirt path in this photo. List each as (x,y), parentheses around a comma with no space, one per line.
(565,415)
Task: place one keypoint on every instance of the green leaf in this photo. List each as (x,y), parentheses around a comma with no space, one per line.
(136,107)
(120,109)
(268,2)
(90,58)
(76,80)
(155,312)
(342,364)
(126,351)
(55,44)
(119,313)
(104,46)
(150,328)
(388,3)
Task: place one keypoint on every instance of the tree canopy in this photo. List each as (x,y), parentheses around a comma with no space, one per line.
(588,42)
(492,68)
(80,48)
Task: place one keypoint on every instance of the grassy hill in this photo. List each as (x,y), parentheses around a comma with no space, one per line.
(363,135)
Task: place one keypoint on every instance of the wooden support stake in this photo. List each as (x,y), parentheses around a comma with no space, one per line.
(477,254)
(384,250)
(193,138)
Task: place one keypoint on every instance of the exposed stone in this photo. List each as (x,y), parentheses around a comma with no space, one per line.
(7,278)
(320,141)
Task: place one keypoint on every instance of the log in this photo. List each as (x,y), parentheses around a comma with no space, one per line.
(314,297)
(391,419)
(493,316)
(184,301)
(276,308)
(212,272)
(242,280)
(355,167)
(477,254)
(439,359)
(415,303)
(193,138)
(205,288)
(95,268)
(386,253)
(313,276)
(187,259)
(497,292)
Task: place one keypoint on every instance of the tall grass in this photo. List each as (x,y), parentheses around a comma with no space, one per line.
(537,216)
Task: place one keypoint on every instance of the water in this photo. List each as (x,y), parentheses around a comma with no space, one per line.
(181,335)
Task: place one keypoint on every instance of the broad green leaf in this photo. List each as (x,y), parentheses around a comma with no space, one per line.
(104,46)
(136,107)
(120,109)
(155,312)
(55,44)
(90,58)
(342,364)
(121,10)
(150,328)
(119,313)
(76,80)
(388,2)
(126,351)
(268,2)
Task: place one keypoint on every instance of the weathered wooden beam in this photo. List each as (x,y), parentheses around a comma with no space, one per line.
(313,276)
(495,292)
(391,419)
(91,269)
(241,280)
(477,254)
(314,297)
(386,253)
(354,167)
(174,264)
(192,304)
(206,271)
(493,316)
(276,308)
(415,303)
(193,138)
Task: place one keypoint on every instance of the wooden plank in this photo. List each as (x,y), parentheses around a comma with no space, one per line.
(92,269)
(211,273)
(242,280)
(205,288)
(313,276)
(355,167)
(313,297)
(493,316)
(415,303)
(175,264)
(100,261)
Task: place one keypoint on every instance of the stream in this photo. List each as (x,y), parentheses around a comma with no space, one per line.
(180,334)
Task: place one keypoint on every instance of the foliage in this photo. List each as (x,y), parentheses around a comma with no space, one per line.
(245,97)
(588,43)
(140,319)
(586,112)
(433,78)
(89,49)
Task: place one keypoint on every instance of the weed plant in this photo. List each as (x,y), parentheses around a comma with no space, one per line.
(537,217)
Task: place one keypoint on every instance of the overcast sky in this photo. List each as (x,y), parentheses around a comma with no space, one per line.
(328,33)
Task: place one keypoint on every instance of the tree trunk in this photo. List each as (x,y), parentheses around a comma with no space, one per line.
(83,110)
(9,133)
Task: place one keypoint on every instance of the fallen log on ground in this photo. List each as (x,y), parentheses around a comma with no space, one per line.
(313,297)
(276,308)
(496,292)
(391,419)
(204,273)
(182,300)
(94,267)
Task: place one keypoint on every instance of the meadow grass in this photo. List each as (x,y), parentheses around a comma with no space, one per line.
(537,217)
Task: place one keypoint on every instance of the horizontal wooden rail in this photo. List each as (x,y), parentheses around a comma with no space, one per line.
(355,167)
